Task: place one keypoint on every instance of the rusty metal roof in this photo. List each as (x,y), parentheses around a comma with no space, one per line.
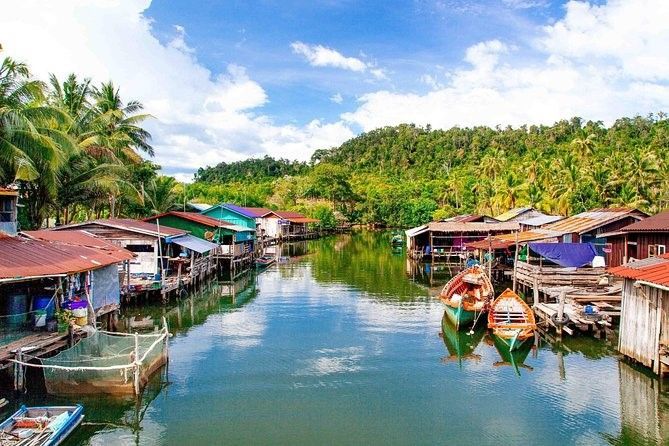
(658,222)
(445,226)
(530,236)
(465,218)
(293,217)
(515,212)
(194,217)
(79,238)
(654,270)
(590,220)
(10,192)
(127,224)
(25,258)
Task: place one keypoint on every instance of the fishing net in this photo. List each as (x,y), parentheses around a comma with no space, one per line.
(103,362)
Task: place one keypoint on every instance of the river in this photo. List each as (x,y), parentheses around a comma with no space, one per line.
(342,343)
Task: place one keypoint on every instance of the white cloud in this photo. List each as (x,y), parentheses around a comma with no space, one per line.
(321,56)
(337,98)
(598,62)
(202,118)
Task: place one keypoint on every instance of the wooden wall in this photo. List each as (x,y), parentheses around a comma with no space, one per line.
(644,240)
(644,323)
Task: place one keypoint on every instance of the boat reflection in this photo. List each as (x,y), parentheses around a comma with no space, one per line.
(513,358)
(460,344)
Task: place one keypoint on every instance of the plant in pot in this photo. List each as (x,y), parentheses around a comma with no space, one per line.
(64,318)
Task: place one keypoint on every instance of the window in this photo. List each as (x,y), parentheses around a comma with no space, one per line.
(140,248)
(656,250)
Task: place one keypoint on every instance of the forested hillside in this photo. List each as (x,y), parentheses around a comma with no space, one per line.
(406,175)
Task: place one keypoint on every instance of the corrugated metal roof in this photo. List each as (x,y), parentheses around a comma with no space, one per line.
(80,238)
(199,206)
(128,224)
(257,212)
(473,227)
(530,236)
(23,258)
(541,220)
(658,222)
(513,213)
(293,217)
(193,243)
(654,270)
(204,220)
(416,231)
(465,218)
(587,221)
(238,209)
(10,192)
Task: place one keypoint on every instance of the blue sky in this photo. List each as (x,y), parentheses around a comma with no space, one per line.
(228,80)
(407,39)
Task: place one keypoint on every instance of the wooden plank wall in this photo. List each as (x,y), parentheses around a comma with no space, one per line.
(643,323)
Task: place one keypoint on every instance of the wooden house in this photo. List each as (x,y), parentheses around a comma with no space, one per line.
(644,319)
(233,241)
(447,240)
(286,225)
(640,240)
(237,215)
(8,210)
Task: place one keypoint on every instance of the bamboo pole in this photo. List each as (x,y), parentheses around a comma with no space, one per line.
(136,372)
(515,264)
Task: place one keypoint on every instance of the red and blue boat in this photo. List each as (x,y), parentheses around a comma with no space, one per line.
(467,296)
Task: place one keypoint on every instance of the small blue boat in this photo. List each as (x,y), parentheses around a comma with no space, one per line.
(41,426)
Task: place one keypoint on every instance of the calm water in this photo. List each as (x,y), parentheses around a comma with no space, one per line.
(342,344)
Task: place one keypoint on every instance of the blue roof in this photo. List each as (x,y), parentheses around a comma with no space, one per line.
(238,209)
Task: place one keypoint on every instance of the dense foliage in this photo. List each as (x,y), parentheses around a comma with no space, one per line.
(73,149)
(407,175)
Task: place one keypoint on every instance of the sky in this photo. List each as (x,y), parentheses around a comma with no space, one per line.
(228,80)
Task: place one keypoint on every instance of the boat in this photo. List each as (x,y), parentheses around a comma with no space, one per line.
(40,426)
(460,345)
(265,260)
(397,240)
(467,295)
(511,320)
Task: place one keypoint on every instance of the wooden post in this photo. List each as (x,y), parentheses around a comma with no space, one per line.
(136,374)
(536,290)
(490,256)
(515,264)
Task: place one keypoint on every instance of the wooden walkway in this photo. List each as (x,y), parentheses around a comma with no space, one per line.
(36,345)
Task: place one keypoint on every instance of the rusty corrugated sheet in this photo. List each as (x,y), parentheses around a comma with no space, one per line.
(658,222)
(587,221)
(128,224)
(25,257)
(654,270)
(473,227)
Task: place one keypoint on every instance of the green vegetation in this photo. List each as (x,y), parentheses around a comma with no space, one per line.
(407,175)
(74,149)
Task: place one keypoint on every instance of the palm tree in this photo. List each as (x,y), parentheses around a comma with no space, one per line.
(161,195)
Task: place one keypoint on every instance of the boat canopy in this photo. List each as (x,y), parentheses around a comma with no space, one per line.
(566,254)
(193,243)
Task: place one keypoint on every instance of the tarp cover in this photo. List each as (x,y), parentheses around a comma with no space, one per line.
(106,289)
(193,243)
(566,254)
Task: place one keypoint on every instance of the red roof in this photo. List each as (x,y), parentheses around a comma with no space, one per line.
(658,222)
(79,238)
(293,217)
(257,212)
(25,258)
(127,224)
(194,217)
(652,269)
(6,191)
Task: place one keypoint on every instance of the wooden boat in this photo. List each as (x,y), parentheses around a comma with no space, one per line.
(460,345)
(40,426)
(264,261)
(397,240)
(467,296)
(511,320)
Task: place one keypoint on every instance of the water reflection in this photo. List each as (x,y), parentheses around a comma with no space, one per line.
(460,344)
(513,358)
(338,346)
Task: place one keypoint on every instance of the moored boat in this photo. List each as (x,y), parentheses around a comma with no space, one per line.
(265,260)
(467,295)
(511,320)
(40,426)
(397,240)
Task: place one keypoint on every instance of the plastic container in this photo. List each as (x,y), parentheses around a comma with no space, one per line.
(75,304)
(17,307)
(45,302)
(39,318)
(81,321)
(80,312)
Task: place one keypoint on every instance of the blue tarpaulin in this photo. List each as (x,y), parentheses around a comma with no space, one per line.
(566,254)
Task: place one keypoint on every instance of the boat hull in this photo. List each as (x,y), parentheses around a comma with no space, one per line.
(460,317)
